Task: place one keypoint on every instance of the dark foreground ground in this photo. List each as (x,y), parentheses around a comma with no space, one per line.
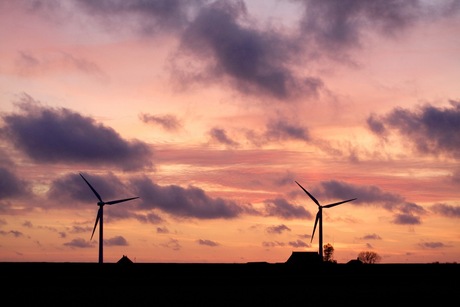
(247,284)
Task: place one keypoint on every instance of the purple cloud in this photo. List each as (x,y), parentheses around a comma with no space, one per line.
(59,135)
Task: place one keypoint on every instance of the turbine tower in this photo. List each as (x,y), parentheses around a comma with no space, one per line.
(99,217)
(319,217)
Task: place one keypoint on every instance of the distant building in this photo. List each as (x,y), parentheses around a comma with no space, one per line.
(299,258)
(355,262)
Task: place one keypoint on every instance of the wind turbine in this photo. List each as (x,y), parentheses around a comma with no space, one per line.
(99,216)
(319,217)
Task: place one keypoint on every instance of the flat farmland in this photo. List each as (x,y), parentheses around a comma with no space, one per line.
(246,284)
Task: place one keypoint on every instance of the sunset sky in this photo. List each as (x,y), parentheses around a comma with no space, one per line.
(210,111)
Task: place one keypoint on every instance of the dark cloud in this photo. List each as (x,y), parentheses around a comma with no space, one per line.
(150,217)
(298,243)
(207,243)
(335,25)
(281,208)
(272,244)
(70,191)
(80,229)
(79,243)
(282,129)
(366,195)
(191,202)
(376,126)
(11,186)
(404,212)
(406,219)
(219,34)
(220,136)
(146,17)
(221,42)
(279,130)
(173,244)
(450,8)
(14,233)
(432,245)
(59,135)
(431,130)
(5,159)
(286,179)
(371,237)
(167,122)
(27,224)
(162,230)
(71,187)
(116,241)
(278,229)
(255,62)
(446,210)
(411,208)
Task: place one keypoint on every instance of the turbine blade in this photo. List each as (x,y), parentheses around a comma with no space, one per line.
(119,200)
(314,227)
(340,202)
(311,196)
(94,191)
(97,220)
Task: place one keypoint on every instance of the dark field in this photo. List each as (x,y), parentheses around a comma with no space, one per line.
(247,284)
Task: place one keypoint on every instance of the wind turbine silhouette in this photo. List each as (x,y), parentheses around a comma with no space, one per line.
(319,217)
(99,216)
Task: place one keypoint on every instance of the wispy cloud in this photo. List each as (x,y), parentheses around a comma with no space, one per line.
(168,122)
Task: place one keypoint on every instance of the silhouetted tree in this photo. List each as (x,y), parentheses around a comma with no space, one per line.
(328,253)
(369,257)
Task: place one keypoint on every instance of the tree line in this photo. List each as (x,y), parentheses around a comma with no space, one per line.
(366,257)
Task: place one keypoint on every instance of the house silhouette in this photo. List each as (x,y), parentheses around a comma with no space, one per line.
(300,258)
(124,260)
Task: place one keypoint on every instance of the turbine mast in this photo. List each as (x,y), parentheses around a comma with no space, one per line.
(101,235)
(320,247)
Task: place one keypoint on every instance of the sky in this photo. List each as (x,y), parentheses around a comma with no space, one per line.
(211,111)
